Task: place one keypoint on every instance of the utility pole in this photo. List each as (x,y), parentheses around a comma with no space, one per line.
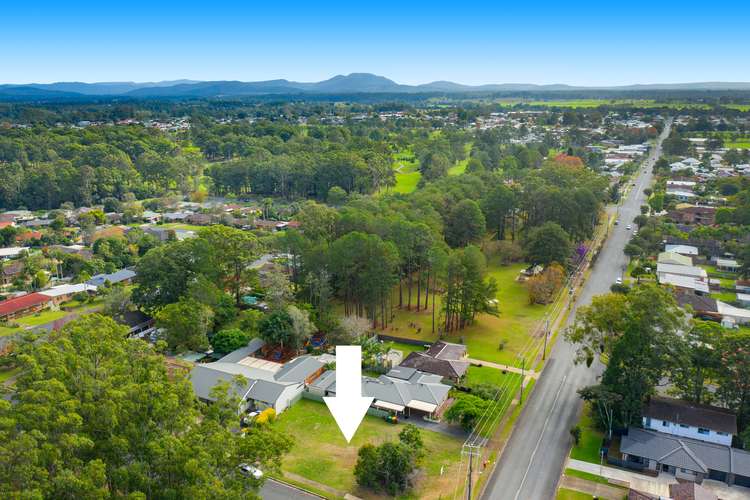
(470,449)
(523,377)
(471,457)
(546,334)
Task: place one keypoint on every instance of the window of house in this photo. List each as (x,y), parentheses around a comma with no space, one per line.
(722,433)
(664,423)
(683,426)
(703,430)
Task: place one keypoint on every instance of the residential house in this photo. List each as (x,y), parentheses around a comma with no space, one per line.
(682,249)
(680,270)
(729,265)
(10,271)
(23,305)
(687,458)
(28,236)
(675,259)
(682,418)
(63,293)
(404,391)
(681,194)
(12,252)
(442,358)
(266,384)
(685,284)
(694,214)
(123,276)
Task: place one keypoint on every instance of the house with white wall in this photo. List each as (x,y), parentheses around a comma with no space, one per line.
(685,419)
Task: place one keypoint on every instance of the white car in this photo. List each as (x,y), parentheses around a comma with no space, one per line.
(251,470)
(628,227)
(618,281)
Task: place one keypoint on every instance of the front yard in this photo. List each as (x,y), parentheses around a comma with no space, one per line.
(321,453)
(517,320)
(591,439)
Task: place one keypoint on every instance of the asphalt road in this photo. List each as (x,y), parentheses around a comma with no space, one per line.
(273,490)
(532,461)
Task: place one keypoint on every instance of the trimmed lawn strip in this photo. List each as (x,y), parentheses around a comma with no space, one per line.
(41,318)
(587,476)
(5,373)
(566,494)
(591,439)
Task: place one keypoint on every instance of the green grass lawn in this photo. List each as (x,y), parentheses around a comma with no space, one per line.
(179,225)
(406,349)
(6,330)
(5,374)
(407,171)
(41,318)
(566,494)
(459,168)
(586,475)
(740,144)
(321,453)
(724,296)
(487,375)
(591,439)
(517,320)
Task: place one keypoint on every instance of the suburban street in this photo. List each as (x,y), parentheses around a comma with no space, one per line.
(532,461)
(274,490)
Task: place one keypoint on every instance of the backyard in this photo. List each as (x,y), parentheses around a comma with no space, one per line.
(321,453)
(517,320)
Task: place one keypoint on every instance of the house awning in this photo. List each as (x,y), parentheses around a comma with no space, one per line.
(422,406)
(387,406)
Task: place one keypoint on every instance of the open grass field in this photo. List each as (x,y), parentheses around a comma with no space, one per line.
(517,320)
(321,453)
(5,374)
(6,330)
(591,439)
(595,103)
(460,166)
(407,171)
(738,107)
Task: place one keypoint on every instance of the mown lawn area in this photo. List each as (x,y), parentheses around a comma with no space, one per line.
(41,318)
(724,296)
(586,475)
(179,225)
(5,374)
(488,375)
(321,453)
(6,330)
(516,323)
(591,439)
(406,349)
(566,494)
(407,171)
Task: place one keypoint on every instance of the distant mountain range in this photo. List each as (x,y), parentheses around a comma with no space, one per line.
(354,83)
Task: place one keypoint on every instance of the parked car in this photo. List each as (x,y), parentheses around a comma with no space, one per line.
(628,227)
(617,222)
(251,470)
(618,281)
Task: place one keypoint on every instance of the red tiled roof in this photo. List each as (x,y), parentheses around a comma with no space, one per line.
(20,303)
(4,223)
(29,235)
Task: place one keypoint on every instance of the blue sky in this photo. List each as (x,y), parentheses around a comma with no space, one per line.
(411,42)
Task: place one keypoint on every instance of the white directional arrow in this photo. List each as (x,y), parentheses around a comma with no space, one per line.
(348,407)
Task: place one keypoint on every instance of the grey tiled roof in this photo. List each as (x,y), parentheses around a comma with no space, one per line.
(695,415)
(699,456)
(420,387)
(298,369)
(252,347)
